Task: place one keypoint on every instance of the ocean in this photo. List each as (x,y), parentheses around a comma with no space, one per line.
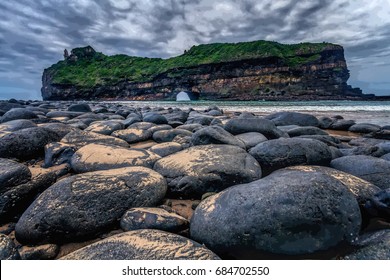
(375,112)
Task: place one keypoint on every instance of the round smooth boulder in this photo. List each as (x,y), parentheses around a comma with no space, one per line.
(215,135)
(155,118)
(251,139)
(260,125)
(306,130)
(81,107)
(168,135)
(94,157)
(146,244)
(8,250)
(288,213)
(80,138)
(17,114)
(279,153)
(165,149)
(16,125)
(133,135)
(364,128)
(371,169)
(293,118)
(211,168)
(12,174)
(153,218)
(26,143)
(105,127)
(372,246)
(84,205)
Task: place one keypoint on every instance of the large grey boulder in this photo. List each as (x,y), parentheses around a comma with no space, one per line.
(293,118)
(26,143)
(278,153)
(17,114)
(168,135)
(288,214)
(82,138)
(144,244)
(166,149)
(251,139)
(261,125)
(84,205)
(211,168)
(105,127)
(364,128)
(133,135)
(215,135)
(371,169)
(94,157)
(12,174)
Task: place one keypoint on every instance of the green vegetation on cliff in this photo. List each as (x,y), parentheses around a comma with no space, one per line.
(92,68)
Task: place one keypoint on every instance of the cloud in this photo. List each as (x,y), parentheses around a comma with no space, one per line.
(33,34)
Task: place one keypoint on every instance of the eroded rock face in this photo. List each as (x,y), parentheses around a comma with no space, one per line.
(288,213)
(144,245)
(84,205)
(94,157)
(211,168)
(279,153)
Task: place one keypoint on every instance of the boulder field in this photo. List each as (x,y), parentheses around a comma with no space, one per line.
(111,181)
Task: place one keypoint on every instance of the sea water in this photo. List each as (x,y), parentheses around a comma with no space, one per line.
(375,112)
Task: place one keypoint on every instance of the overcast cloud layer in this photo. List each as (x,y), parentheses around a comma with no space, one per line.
(33,34)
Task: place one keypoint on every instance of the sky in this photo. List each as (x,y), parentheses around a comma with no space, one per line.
(34,34)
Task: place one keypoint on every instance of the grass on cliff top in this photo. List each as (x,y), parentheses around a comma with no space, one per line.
(99,69)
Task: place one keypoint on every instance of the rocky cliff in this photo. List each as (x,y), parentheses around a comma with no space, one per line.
(258,70)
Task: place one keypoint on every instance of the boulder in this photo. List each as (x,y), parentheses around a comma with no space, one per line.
(379,204)
(26,143)
(63,114)
(327,139)
(105,127)
(178,116)
(288,214)
(371,169)
(133,135)
(211,168)
(341,124)
(94,157)
(60,129)
(165,149)
(12,174)
(191,127)
(17,114)
(85,205)
(131,120)
(58,153)
(260,125)
(16,125)
(81,107)
(146,244)
(155,118)
(41,252)
(293,118)
(325,122)
(169,135)
(306,130)
(372,246)
(153,218)
(278,153)
(8,250)
(215,135)
(251,139)
(364,128)
(82,138)
(386,157)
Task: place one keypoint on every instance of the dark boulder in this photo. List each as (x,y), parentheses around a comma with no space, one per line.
(16,125)
(215,135)
(8,250)
(379,204)
(153,218)
(41,252)
(306,130)
(155,118)
(12,174)
(169,135)
(133,135)
(364,128)
(372,246)
(17,114)
(289,118)
(251,139)
(144,244)
(261,125)
(325,122)
(283,152)
(94,157)
(371,169)
(386,157)
(57,153)
(105,127)
(84,205)
(81,107)
(60,129)
(26,143)
(165,149)
(288,214)
(211,168)
(341,124)
(82,138)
